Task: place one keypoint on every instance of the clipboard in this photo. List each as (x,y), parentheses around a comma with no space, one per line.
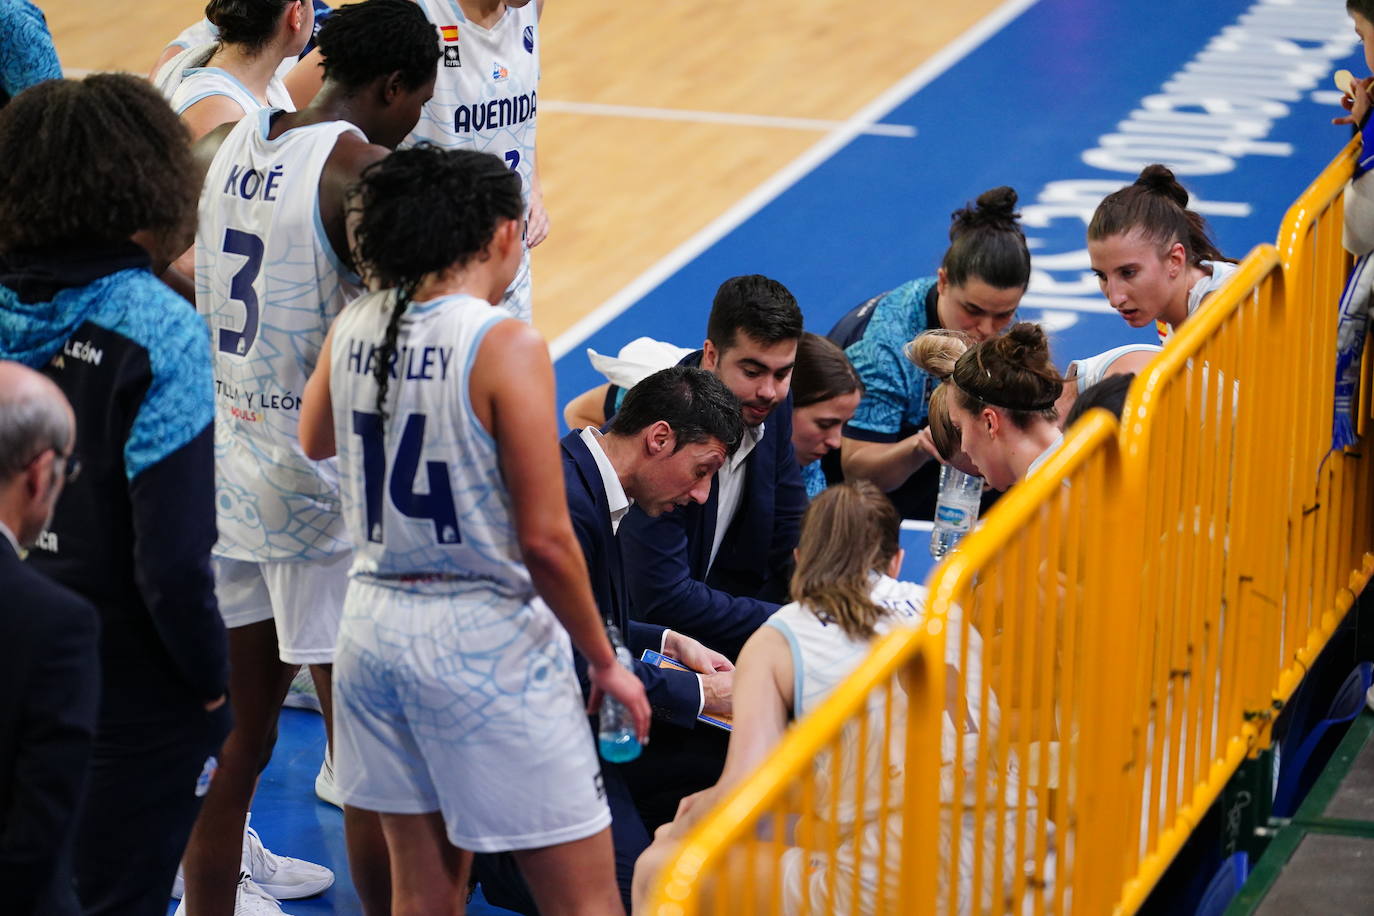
(659,660)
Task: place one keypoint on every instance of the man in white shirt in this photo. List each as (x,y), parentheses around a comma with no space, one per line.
(661,451)
(717,570)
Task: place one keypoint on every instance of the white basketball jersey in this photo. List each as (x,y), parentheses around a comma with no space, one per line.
(1093,369)
(185,80)
(422,492)
(269,284)
(485,98)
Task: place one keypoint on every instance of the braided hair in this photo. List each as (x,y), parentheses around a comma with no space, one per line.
(423,210)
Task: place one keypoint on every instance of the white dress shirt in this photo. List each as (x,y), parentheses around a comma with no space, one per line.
(731,477)
(14,541)
(620,504)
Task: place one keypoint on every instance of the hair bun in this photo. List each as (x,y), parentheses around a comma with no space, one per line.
(936,351)
(995,208)
(1024,343)
(1158,179)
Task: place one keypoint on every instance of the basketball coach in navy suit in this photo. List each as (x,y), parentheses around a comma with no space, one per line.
(49,658)
(661,451)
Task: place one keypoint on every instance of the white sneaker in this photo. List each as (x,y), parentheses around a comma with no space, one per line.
(302,694)
(325,790)
(282,877)
(249,900)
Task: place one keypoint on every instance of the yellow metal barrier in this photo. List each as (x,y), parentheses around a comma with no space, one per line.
(967,806)
(1121,632)
(1208,492)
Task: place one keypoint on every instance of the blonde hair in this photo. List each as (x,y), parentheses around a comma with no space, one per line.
(937,350)
(849,532)
(942,429)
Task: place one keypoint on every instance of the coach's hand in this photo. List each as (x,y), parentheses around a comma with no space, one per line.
(625,687)
(693,654)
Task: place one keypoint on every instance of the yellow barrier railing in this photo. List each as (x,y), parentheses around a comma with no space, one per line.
(968,817)
(1122,631)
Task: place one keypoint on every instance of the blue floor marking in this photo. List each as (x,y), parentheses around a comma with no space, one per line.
(1019,110)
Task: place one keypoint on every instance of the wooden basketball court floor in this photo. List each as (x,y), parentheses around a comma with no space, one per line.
(654,118)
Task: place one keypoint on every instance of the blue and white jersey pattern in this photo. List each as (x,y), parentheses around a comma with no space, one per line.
(422,490)
(269,284)
(486,98)
(185,80)
(897,393)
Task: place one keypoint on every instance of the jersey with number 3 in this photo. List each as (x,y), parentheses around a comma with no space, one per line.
(486,99)
(269,284)
(422,489)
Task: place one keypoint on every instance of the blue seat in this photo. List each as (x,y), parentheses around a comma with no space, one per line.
(1225,884)
(1300,767)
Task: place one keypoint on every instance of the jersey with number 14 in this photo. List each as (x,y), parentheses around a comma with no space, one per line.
(269,284)
(422,491)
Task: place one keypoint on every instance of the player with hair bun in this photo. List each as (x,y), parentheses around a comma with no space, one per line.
(1002,403)
(459,716)
(1152,255)
(976,290)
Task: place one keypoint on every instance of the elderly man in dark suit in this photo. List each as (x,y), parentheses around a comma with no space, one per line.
(50,668)
(660,452)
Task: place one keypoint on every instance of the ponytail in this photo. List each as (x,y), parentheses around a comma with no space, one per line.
(1155,207)
(1012,372)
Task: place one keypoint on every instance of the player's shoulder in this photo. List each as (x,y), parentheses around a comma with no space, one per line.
(137,305)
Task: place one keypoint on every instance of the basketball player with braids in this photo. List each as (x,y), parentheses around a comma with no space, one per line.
(271,276)
(458,712)
(1152,255)
(977,288)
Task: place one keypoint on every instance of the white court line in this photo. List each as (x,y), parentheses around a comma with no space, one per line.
(789,175)
(717,117)
(913,524)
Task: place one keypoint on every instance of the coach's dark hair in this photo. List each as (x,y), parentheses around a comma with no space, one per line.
(1364,7)
(363,41)
(1110,393)
(694,403)
(1012,372)
(822,372)
(92,162)
(1156,207)
(423,210)
(986,242)
(756,305)
(250,23)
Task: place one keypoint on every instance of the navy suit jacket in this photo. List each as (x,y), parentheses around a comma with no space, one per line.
(674,695)
(49,690)
(667,558)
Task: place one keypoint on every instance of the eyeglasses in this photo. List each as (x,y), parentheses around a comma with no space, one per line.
(71,465)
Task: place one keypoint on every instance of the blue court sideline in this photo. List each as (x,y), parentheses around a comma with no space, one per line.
(1064,103)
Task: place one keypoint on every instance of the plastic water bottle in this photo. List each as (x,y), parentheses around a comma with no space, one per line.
(956,510)
(616,737)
